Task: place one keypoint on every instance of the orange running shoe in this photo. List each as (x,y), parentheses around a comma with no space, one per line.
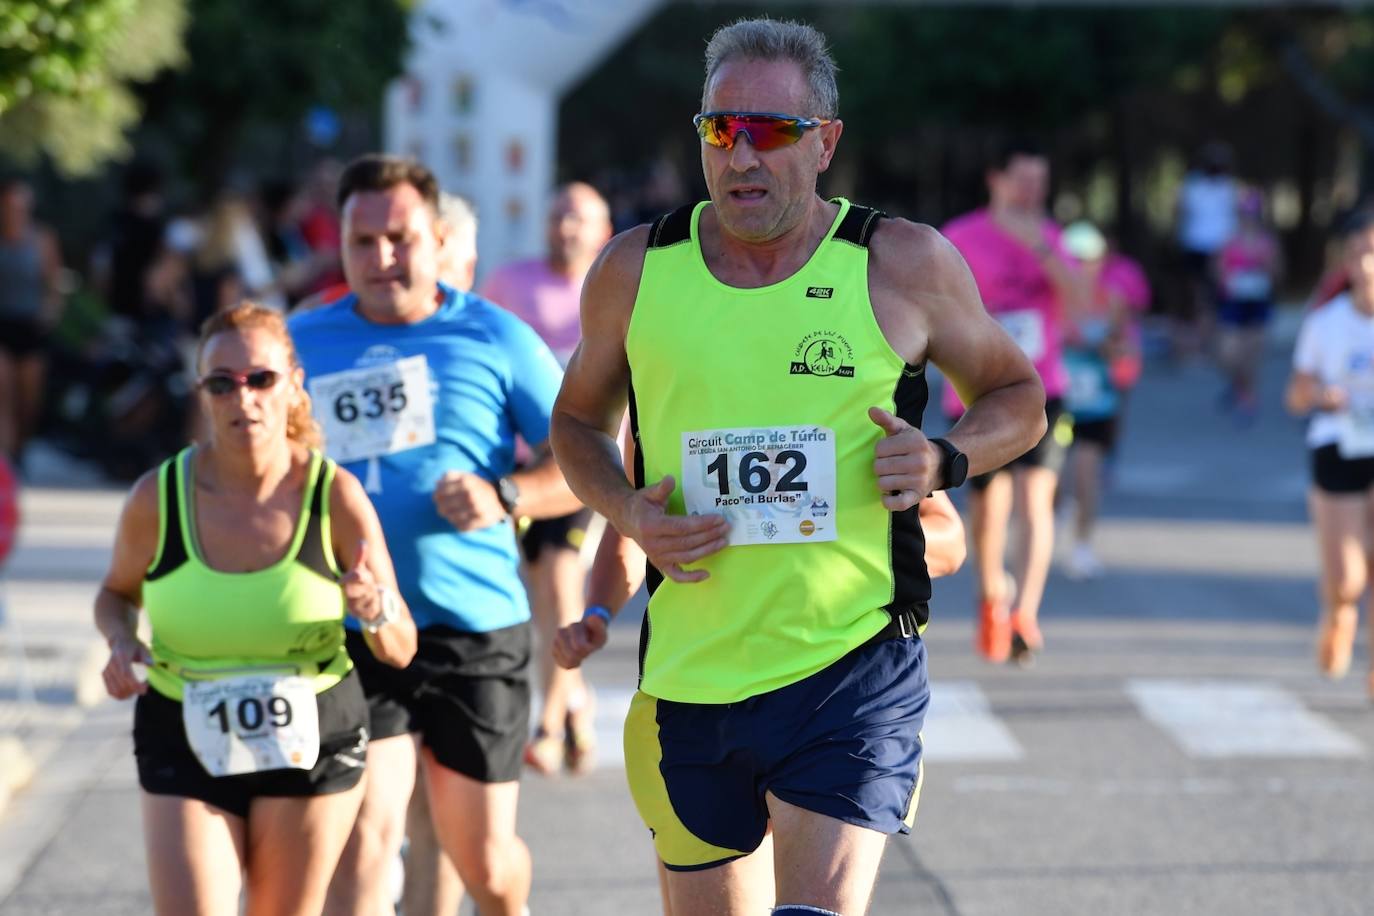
(545,753)
(1026,640)
(993,639)
(1335,642)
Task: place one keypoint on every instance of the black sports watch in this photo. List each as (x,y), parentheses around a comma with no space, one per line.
(509,493)
(953,465)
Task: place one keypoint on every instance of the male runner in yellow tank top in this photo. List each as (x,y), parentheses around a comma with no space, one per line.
(773,345)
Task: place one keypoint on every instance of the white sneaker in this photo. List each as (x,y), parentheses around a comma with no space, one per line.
(1083,563)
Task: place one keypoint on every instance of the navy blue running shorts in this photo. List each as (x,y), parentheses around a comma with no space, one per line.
(844,742)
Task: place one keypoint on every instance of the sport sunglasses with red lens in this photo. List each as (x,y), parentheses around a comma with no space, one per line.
(765,130)
(220,383)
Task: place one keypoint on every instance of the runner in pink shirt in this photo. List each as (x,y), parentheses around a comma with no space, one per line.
(1027,283)
(546,293)
(1247,270)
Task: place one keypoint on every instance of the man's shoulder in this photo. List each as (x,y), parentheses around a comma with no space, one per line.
(328,316)
(500,326)
(622,258)
(905,247)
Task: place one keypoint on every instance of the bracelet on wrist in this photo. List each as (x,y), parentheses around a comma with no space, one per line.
(597,610)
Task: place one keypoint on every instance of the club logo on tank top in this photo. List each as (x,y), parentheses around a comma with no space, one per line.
(824,353)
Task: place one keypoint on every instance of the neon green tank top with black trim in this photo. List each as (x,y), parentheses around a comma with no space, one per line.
(206,624)
(777,380)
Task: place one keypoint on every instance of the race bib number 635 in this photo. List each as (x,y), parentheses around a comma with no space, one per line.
(375,410)
(776,485)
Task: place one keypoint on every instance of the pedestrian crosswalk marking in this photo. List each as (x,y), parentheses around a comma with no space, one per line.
(960,726)
(1215,719)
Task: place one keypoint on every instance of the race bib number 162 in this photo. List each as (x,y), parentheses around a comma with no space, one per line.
(776,485)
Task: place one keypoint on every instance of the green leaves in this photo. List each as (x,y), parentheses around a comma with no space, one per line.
(65,66)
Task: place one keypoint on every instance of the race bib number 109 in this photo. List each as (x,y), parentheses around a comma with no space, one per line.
(375,410)
(776,485)
(249,724)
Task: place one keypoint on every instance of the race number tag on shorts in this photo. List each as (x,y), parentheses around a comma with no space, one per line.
(776,485)
(248,724)
(375,410)
(1027,328)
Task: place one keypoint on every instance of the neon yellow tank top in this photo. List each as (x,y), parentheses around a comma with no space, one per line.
(287,618)
(749,398)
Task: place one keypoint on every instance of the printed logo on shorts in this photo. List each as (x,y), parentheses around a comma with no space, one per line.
(824,353)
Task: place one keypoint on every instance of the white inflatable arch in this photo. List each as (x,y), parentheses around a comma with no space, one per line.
(479,102)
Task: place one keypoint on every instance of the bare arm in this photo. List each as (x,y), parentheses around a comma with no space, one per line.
(470,501)
(616,574)
(360,547)
(544,492)
(928,306)
(121,591)
(944,534)
(588,412)
(596,381)
(1306,393)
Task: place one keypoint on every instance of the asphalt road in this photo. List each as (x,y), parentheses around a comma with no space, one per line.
(1174,752)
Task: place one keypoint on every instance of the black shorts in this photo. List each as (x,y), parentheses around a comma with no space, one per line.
(168,766)
(1333,474)
(1049,452)
(466,694)
(1099,432)
(566,532)
(22,337)
(1245,313)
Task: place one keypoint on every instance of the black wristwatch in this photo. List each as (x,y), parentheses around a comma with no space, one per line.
(953,465)
(509,493)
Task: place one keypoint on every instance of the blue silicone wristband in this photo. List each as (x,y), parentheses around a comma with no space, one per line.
(597,610)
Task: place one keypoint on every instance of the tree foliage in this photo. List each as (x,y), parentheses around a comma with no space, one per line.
(65,72)
(257,67)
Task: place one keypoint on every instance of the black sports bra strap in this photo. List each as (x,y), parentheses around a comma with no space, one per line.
(311,553)
(172,550)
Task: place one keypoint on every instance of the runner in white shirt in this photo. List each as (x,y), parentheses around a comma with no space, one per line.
(1333,381)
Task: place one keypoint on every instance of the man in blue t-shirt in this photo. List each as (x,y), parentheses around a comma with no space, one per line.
(421,391)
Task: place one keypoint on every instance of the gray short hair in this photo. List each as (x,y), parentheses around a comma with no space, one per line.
(769,40)
(460,217)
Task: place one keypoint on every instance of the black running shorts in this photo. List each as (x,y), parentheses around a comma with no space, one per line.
(1333,474)
(466,694)
(168,766)
(566,532)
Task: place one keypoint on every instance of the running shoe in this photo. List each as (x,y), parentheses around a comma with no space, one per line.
(545,753)
(993,638)
(579,747)
(1026,641)
(1335,642)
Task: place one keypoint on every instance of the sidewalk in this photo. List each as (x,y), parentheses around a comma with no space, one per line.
(50,654)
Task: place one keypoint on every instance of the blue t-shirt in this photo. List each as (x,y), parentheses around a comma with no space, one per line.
(490,378)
